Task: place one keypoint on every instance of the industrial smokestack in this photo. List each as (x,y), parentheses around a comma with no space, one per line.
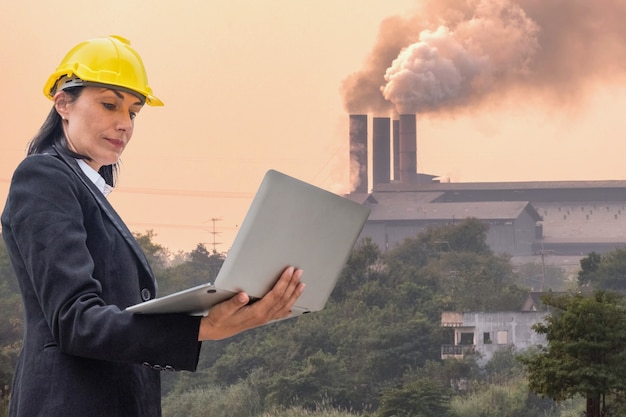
(358,153)
(396,150)
(381,149)
(408,148)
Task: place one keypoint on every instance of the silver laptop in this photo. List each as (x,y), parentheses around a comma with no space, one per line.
(289,223)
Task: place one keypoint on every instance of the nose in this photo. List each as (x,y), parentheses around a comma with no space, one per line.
(125,123)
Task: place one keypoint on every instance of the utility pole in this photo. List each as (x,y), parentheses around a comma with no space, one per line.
(543,254)
(543,269)
(215,233)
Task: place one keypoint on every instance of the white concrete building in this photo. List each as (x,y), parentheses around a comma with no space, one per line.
(484,333)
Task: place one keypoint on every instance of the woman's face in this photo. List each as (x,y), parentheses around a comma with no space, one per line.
(99,123)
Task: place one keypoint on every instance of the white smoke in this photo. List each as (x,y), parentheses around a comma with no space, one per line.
(425,76)
(455,53)
(449,67)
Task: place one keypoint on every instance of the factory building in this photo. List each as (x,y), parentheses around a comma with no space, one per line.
(562,219)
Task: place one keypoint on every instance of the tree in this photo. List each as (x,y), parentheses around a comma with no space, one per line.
(588,268)
(604,272)
(155,253)
(586,351)
(361,266)
(479,282)
(11,324)
(378,338)
(537,276)
(420,398)
(452,268)
(200,267)
(469,235)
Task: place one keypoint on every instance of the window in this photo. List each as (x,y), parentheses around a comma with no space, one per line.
(467,339)
(487,338)
(502,337)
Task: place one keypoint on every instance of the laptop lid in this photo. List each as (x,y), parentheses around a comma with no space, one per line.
(289,223)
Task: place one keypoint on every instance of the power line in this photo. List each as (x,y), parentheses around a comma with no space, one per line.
(175,193)
(184,193)
(175,226)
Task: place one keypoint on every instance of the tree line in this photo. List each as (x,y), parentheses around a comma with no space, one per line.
(374,350)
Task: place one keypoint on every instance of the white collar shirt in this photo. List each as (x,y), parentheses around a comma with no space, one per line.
(95,177)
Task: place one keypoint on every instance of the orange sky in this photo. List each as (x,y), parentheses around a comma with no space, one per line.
(253,85)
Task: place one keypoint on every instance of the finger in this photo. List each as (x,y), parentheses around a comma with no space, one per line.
(284,287)
(295,288)
(230,307)
(280,303)
(284,281)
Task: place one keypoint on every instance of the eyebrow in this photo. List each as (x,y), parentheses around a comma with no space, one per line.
(121,96)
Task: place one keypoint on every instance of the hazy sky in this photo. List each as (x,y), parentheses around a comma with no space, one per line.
(528,92)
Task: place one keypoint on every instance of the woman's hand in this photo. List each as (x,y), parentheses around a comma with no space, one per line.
(235,315)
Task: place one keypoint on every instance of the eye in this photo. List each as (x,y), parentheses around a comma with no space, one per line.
(109,106)
(132,115)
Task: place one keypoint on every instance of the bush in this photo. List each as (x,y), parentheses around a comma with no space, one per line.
(238,400)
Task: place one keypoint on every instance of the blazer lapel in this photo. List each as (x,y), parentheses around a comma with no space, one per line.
(108,210)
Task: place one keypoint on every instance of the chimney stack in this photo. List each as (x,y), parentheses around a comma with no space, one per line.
(396,150)
(408,148)
(358,152)
(381,150)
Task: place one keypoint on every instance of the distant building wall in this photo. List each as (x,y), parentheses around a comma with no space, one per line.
(388,234)
(514,237)
(486,333)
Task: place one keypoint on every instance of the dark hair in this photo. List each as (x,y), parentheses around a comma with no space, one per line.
(51,134)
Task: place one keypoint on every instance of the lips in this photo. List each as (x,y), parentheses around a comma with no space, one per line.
(116,142)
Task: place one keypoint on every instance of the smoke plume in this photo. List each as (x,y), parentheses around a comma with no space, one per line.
(455,53)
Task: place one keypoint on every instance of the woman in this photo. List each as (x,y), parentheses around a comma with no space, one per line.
(79,267)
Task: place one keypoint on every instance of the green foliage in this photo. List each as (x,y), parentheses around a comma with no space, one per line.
(378,338)
(542,277)
(238,400)
(11,324)
(303,412)
(421,398)
(200,267)
(586,352)
(504,367)
(503,400)
(479,282)
(344,353)
(604,272)
(440,277)
(155,253)
(588,268)
(466,236)
(363,266)
(316,378)
(380,326)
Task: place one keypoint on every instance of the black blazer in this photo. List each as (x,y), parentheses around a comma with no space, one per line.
(78,267)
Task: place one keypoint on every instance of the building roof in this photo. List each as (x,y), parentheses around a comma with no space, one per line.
(534,192)
(394,208)
(514,185)
(409,197)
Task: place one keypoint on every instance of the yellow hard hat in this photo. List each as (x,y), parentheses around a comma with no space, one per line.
(107,61)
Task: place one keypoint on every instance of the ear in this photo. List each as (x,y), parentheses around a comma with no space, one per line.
(61,104)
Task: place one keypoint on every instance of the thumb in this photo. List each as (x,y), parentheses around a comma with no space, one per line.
(241,299)
(231,305)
